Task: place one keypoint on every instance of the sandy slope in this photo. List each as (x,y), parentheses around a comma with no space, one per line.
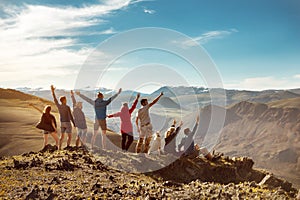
(17,131)
(19,114)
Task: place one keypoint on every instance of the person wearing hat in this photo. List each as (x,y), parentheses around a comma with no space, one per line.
(100,106)
(80,121)
(126,125)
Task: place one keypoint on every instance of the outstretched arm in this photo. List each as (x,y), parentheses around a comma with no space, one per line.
(73,99)
(134,103)
(196,125)
(90,101)
(175,133)
(114,115)
(113,97)
(54,96)
(156,99)
(178,128)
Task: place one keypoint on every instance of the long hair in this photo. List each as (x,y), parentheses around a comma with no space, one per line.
(47,109)
(169,131)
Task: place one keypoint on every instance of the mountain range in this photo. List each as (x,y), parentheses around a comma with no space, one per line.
(263,125)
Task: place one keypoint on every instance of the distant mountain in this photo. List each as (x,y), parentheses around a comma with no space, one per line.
(191,97)
(179,91)
(297,90)
(167,102)
(269,133)
(268,96)
(286,103)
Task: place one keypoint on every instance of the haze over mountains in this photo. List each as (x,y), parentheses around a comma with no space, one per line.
(264,125)
(203,94)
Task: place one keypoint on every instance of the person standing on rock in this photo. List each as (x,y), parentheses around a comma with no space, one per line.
(126,125)
(145,127)
(100,106)
(80,121)
(65,118)
(170,138)
(48,125)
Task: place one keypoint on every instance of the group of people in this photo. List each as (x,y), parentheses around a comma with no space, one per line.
(143,124)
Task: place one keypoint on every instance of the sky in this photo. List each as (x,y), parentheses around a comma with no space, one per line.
(254,45)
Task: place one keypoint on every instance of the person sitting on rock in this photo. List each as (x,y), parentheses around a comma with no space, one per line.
(188,140)
(190,148)
(80,121)
(126,125)
(170,138)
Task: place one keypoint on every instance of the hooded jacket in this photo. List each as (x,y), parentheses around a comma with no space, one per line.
(125,116)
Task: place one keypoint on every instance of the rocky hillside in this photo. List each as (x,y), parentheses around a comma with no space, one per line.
(78,174)
(268,133)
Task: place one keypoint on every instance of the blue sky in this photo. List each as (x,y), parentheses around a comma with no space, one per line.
(254,44)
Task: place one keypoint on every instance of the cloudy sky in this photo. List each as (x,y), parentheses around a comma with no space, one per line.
(254,44)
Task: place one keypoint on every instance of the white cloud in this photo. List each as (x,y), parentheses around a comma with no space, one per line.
(297,76)
(205,37)
(263,83)
(148,11)
(108,31)
(41,40)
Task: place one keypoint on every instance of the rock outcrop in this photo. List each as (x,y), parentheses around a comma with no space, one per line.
(77,174)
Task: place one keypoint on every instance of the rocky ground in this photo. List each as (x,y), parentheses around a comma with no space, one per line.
(78,174)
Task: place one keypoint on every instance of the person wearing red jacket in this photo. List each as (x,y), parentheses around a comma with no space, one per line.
(126,125)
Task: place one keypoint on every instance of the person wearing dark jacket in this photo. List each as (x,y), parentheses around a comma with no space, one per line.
(100,105)
(80,121)
(170,138)
(189,144)
(48,124)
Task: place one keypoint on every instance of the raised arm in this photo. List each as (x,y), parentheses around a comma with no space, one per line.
(156,99)
(73,99)
(90,101)
(54,96)
(178,128)
(134,103)
(113,97)
(196,125)
(174,134)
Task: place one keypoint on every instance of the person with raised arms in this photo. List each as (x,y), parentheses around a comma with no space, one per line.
(100,106)
(145,126)
(65,118)
(126,125)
